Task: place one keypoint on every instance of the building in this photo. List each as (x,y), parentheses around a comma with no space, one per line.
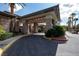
(47,17)
(7,21)
(39,21)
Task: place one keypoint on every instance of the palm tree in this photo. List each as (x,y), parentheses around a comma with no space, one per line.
(12,6)
(76,19)
(72,17)
(69,23)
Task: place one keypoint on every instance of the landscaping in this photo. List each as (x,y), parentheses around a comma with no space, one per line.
(3,34)
(56,32)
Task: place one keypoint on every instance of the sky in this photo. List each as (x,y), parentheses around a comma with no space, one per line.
(66,8)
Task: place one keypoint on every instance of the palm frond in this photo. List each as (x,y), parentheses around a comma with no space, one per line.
(21,4)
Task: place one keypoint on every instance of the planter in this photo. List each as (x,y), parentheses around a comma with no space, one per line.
(61,38)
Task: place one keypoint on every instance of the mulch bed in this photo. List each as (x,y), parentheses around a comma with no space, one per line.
(60,40)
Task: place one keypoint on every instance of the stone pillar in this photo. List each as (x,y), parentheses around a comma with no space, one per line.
(29,29)
(16,26)
(35,27)
(48,24)
(25,28)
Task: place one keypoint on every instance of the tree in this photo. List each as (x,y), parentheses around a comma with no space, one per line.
(12,6)
(72,18)
(69,23)
(76,19)
(73,21)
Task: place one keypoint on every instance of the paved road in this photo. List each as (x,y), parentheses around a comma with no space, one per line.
(33,45)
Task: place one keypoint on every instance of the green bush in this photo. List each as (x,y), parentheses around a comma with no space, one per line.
(56,31)
(1,27)
(4,34)
(49,33)
(2,30)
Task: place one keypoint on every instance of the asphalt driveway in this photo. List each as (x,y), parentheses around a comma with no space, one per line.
(33,45)
(37,45)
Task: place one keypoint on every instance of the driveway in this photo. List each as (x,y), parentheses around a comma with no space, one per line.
(33,45)
(37,45)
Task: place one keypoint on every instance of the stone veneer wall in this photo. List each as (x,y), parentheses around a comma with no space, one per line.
(5,21)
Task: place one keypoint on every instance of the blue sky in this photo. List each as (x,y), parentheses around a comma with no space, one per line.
(29,8)
(65,9)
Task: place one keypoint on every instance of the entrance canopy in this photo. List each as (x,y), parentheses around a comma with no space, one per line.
(49,16)
(54,11)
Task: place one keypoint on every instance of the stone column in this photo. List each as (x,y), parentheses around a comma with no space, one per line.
(35,27)
(16,26)
(48,24)
(25,28)
(30,28)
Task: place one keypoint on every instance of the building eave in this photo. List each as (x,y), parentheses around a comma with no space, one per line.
(54,8)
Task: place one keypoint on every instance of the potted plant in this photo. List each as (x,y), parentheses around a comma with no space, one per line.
(56,33)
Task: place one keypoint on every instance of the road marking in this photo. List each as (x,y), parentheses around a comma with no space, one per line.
(1,50)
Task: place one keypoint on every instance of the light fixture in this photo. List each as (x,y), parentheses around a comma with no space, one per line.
(21,24)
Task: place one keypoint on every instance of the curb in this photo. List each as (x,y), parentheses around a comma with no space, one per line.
(8,45)
(1,51)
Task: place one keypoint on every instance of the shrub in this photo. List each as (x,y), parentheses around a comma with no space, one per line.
(49,33)
(56,31)
(1,27)
(4,34)
(2,30)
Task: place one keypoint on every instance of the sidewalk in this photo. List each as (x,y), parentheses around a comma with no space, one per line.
(6,43)
(71,47)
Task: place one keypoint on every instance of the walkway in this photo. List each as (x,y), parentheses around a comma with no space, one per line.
(71,48)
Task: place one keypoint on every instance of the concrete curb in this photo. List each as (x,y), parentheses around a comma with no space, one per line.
(9,44)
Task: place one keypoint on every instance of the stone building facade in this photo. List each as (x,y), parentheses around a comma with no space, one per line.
(7,21)
(31,23)
(49,16)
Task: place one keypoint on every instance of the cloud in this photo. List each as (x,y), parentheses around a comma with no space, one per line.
(66,1)
(66,8)
(67,5)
